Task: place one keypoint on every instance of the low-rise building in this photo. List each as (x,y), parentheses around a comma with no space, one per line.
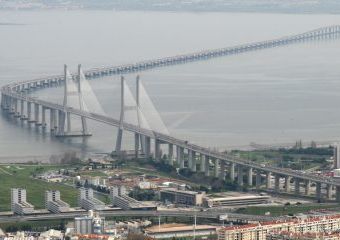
(235,200)
(51,235)
(176,196)
(325,224)
(120,199)
(53,202)
(303,236)
(19,204)
(179,230)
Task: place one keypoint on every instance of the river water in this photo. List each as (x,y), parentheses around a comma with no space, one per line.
(271,96)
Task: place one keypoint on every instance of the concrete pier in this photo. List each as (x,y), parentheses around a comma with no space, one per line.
(240,175)
(268,180)
(222,170)
(329,192)
(232,172)
(158,150)
(287,183)
(147,150)
(202,164)
(171,154)
(137,140)
(250,177)
(277,183)
(207,166)
(297,186)
(258,180)
(318,191)
(216,167)
(307,187)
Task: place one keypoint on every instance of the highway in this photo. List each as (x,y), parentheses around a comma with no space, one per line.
(163,213)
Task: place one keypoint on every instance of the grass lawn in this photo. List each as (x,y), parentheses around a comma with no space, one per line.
(94,173)
(12,176)
(285,210)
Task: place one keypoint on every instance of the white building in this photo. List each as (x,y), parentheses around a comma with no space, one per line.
(53,202)
(120,199)
(19,204)
(87,200)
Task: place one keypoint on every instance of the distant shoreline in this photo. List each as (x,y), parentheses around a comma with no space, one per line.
(217,9)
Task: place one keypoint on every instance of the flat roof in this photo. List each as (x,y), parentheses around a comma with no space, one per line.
(180,191)
(178,228)
(237,198)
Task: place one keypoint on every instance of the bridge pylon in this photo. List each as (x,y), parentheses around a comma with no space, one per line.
(128,104)
(72,94)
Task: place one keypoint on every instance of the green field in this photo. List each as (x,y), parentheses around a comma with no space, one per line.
(20,176)
(285,210)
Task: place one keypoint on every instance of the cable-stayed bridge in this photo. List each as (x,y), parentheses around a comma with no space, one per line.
(139,117)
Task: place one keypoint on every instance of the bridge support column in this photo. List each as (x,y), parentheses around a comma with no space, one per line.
(277,183)
(269,180)
(222,170)
(147,147)
(157,150)
(180,156)
(68,116)
(258,180)
(52,118)
(119,140)
(85,131)
(207,166)
(232,172)
(202,163)
(16,113)
(329,191)
(297,186)
(61,123)
(287,183)
(250,177)
(240,175)
(192,160)
(171,154)
(307,187)
(22,115)
(29,111)
(43,117)
(11,105)
(318,191)
(337,193)
(137,137)
(2,101)
(216,168)
(36,114)
(8,103)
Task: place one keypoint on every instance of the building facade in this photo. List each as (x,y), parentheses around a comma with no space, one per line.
(87,201)
(19,204)
(182,196)
(54,204)
(261,231)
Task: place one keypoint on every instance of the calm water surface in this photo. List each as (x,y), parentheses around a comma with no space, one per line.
(272,96)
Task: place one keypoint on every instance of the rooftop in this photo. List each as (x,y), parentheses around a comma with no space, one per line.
(177,228)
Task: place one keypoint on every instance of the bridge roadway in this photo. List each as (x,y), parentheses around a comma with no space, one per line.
(323,32)
(167,213)
(177,142)
(17,91)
